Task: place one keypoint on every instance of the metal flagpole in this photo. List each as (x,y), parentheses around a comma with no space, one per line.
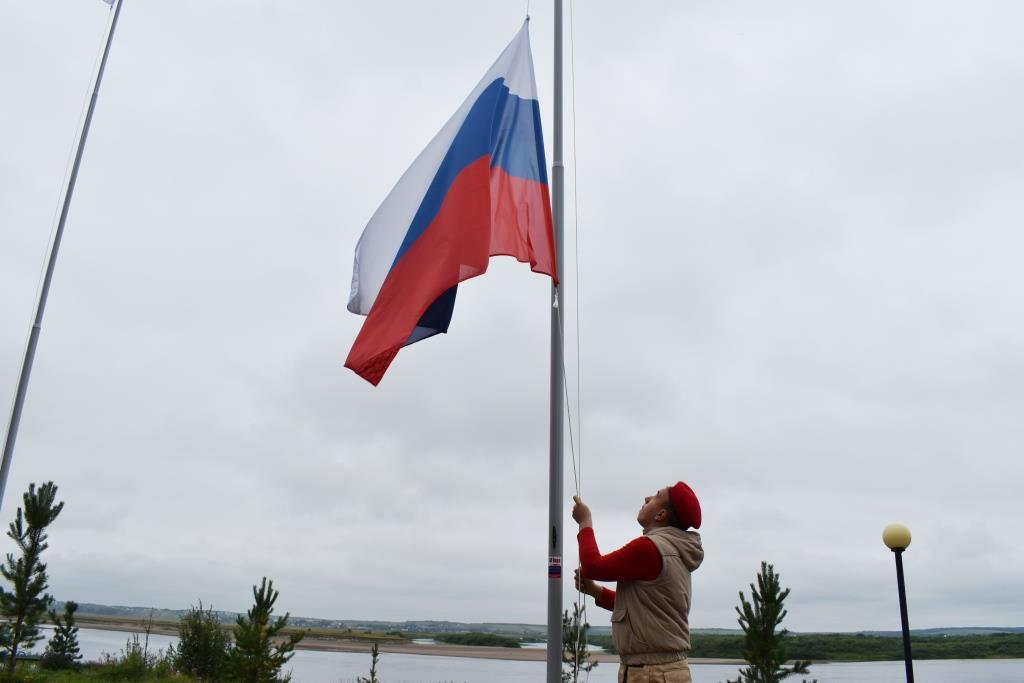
(556,504)
(33,340)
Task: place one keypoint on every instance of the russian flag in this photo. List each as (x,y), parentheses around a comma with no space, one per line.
(479,189)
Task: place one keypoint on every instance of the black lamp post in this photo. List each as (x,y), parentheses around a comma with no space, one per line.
(897,537)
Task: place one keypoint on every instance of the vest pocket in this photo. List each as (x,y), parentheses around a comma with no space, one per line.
(621,635)
(624,635)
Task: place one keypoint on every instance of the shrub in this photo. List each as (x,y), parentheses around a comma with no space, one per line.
(135,662)
(202,651)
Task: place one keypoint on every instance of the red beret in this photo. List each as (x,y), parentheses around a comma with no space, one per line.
(685,504)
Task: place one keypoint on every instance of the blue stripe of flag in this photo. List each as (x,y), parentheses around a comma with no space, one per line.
(499,124)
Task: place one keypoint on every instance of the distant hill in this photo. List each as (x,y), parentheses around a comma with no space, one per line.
(953,631)
(537,631)
(88,608)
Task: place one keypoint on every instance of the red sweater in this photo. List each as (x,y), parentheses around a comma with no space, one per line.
(638,560)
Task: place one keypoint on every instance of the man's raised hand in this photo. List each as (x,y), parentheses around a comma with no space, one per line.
(581,513)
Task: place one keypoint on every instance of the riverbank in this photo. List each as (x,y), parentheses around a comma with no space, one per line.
(320,642)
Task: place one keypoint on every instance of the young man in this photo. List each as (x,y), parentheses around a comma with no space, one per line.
(650,609)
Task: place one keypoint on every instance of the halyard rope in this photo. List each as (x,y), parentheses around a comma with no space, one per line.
(580,596)
(577,441)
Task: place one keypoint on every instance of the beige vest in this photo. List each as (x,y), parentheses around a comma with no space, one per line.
(650,623)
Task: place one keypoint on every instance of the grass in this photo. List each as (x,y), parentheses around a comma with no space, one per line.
(485,639)
(91,673)
(113,619)
(349,634)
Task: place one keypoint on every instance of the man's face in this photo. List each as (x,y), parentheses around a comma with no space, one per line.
(654,510)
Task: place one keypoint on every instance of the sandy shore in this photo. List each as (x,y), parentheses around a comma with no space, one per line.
(127,627)
(433,650)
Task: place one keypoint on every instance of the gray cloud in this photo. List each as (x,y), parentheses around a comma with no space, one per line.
(798,290)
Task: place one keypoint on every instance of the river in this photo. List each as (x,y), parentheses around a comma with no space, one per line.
(344,667)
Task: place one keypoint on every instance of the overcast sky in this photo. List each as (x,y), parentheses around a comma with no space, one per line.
(800,290)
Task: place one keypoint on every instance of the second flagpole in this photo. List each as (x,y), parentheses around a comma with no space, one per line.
(44,292)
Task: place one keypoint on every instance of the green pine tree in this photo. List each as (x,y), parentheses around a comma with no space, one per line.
(575,655)
(256,658)
(62,651)
(374,657)
(27,601)
(763,646)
